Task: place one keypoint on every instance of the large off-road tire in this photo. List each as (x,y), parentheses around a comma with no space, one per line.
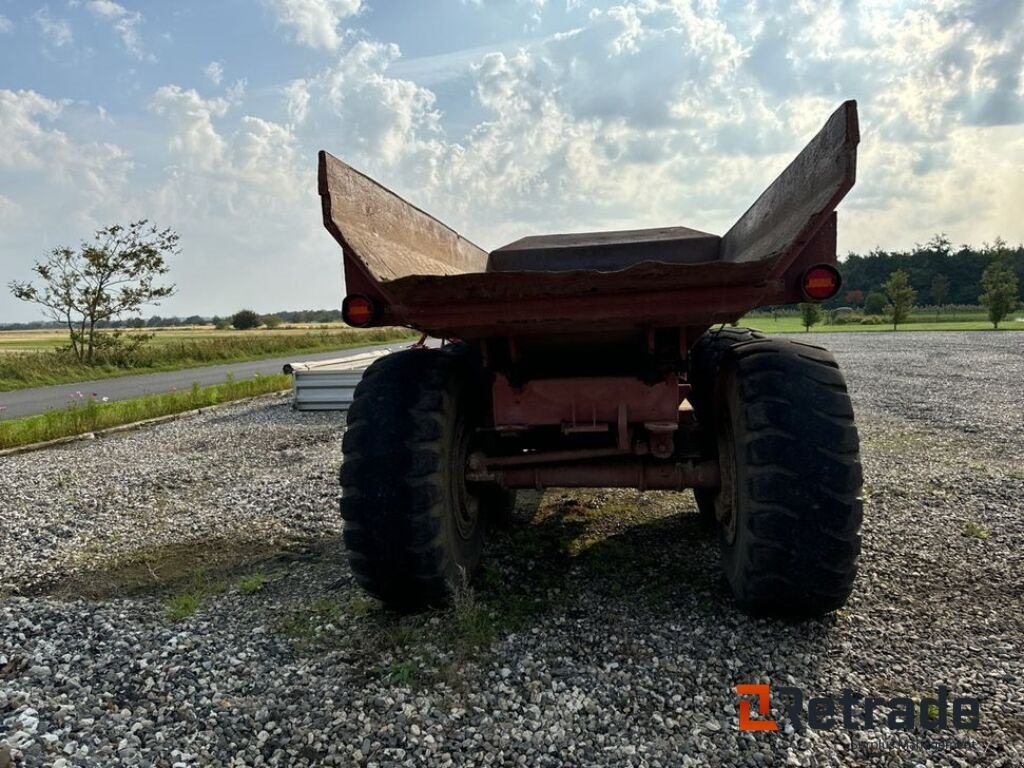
(413,528)
(705,361)
(789,508)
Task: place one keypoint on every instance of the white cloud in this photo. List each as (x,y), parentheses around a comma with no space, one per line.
(85,180)
(651,114)
(106,8)
(236,91)
(214,72)
(315,23)
(57,32)
(126,23)
(193,135)
(242,192)
(6,25)
(534,8)
(382,118)
(10,211)
(296,96)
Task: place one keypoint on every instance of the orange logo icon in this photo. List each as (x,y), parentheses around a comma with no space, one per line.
(763,694)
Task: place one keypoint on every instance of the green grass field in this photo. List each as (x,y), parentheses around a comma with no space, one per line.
(34,359)
(791,324)
(42,340)
(93,416)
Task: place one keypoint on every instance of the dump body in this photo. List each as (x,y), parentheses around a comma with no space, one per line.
(423,274)
(585,360)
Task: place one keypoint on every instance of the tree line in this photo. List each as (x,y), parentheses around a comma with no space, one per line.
(937,272)
(999,285)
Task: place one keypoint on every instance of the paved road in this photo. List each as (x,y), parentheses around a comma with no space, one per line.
(28,402)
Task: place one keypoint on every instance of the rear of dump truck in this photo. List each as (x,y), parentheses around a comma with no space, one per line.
(586,360)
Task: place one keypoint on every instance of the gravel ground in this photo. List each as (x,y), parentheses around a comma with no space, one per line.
(176,596)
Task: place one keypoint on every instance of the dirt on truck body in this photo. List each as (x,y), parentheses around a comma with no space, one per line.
(590,360)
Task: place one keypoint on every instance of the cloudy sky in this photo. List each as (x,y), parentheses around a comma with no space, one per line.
(502,117)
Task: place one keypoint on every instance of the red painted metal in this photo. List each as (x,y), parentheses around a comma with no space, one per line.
(593,403)
(480,462)
(644,475)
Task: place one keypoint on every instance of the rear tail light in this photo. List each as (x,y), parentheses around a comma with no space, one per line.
(821,282)
(358,311)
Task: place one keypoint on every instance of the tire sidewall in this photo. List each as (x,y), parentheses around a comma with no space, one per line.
(735,554)
(465,550)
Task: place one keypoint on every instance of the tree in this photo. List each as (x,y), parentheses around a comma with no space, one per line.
(272,321)
(939,290)
(899,297)
(874,304)
(115,274)
(1000,284)
(810,314)
(245,320)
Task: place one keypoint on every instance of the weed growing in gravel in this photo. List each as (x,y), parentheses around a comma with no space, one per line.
(975,530)
(361,607)
(252,583)
(402,673)
(472,625)
(200,587)
(181,607)
(307,625)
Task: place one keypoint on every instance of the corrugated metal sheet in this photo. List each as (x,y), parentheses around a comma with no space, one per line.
(328,385)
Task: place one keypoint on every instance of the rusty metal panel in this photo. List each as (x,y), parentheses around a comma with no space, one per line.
(787,214)
(430,278)
(592,401)
(605,251)
(390,237)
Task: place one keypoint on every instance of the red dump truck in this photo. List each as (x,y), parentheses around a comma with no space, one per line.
(594,360)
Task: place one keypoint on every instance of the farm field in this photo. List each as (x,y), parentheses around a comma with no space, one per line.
(32,360)
(22,341)
(200,563)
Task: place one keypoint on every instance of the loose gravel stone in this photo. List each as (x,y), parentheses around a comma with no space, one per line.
(599,634)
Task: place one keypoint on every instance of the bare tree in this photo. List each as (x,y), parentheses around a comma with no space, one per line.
(115,274)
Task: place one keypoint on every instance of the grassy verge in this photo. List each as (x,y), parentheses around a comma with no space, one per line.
(92,416)
(20,370)
(793,325)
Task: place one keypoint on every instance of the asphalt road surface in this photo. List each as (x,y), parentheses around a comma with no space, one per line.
(28,402)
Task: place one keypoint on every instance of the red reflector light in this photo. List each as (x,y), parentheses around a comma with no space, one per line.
(821,282)
(358,311)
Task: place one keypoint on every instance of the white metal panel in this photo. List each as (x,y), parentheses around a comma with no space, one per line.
(328,385)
